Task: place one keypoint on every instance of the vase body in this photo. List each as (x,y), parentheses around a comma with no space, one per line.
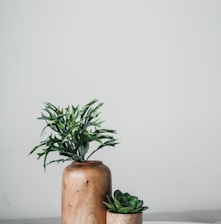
(115,218)
(84,188)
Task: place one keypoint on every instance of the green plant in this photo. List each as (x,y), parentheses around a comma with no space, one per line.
(124,203)
(72,130)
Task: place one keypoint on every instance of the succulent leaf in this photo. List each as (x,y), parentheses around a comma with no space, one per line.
(126,210)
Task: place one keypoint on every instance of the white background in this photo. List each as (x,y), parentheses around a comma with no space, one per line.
(156,66)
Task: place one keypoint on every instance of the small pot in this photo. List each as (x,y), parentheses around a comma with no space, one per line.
(116,218)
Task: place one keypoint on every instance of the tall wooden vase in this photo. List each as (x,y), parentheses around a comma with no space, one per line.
(84,188)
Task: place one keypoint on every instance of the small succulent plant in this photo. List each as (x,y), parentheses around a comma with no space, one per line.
(124,203)
(72,129)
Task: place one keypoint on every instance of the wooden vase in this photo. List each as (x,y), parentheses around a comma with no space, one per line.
(115,218)
(84,188)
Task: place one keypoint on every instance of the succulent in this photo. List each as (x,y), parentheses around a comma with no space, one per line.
(72,129)
(124,203)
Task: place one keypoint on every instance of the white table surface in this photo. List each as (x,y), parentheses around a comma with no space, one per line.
(58,221)
(170,222)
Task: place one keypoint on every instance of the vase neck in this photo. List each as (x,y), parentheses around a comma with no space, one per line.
(89,162)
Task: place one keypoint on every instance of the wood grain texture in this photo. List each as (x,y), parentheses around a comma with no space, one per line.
(84,188)
(114,218)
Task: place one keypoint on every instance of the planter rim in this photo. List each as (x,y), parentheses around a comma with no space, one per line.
(124,213)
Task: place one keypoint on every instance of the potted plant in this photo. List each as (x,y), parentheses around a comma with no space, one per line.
(85,182)
(124,208)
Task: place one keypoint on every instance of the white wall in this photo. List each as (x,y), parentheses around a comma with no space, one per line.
(155,65)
